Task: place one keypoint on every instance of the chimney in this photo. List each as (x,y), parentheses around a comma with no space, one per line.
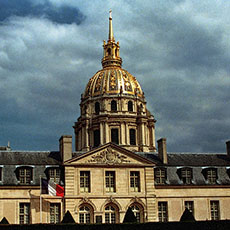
(162,151)
(228,147)
(65,147)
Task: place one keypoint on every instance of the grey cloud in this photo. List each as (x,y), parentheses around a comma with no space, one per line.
(64,14)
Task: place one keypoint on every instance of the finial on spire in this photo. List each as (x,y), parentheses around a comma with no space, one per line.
(111,38)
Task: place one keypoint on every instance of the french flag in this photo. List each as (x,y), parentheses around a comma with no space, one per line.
(51,188)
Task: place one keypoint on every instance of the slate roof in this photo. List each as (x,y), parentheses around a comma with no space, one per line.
(29,158)
(191,159)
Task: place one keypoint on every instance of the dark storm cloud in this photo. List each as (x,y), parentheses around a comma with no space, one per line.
(63,14)
(177,50)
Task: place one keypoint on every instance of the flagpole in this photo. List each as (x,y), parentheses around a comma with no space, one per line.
(40,199)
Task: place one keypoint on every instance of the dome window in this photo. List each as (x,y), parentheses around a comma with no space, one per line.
(130,106)
(132,136)
(97,108)
(113,106)
(96,137)
(114,136)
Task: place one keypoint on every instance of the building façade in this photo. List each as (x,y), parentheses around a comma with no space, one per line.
(115,164)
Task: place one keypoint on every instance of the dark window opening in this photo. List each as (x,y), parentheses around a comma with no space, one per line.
(96,136)
(130,106)
(132,136)
(114,136)
(97,107)
(109,51)
(113,105)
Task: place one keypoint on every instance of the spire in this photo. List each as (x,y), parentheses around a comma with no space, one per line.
(111,37)
(111,49)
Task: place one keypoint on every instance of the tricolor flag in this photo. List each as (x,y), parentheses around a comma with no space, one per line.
(51,188)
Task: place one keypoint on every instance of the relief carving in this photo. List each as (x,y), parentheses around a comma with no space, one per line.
(108,156)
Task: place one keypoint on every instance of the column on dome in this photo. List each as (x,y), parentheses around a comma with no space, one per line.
(87,135)
(123,134)
(101,133)
(106,127)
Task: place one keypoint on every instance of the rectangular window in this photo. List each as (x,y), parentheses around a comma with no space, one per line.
(110,181)
(54,213)
(214,206)
(160,175)
(190,206)
(24,213)
(186,175)
(211,176)
(163,211)
(25,175)
(135,181)
(114,136)
(85,181)
(54,174)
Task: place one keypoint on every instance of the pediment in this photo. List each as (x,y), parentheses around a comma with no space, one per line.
(109,154)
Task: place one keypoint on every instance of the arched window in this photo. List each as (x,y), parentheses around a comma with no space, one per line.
(85,214)
(132,136)
(97,107)
(96,137)
(110,214)
(130,106)
(113,105)
(138,212)
(114,136)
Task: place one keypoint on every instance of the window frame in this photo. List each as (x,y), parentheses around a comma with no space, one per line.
(214,209)
(85,214)
(55,178)
(111,214)
(211,175)
(110,181)
(24,178)
(25,216)
(186,175)
(162,211)
(55,213)
(159,178)
(85,181)
(134,181)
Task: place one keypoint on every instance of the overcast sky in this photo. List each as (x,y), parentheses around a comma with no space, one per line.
(179,51)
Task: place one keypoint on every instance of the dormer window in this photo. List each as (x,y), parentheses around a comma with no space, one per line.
(210,175)
(113,106)
(160,176)
(54,174)
(25,175)
(185,175)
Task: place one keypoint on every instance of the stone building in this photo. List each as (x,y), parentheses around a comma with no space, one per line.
(115,164)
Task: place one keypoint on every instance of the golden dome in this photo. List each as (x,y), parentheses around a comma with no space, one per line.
(113,81)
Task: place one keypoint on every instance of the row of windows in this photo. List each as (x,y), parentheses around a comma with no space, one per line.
(25,174)
(86,213)
(186,175)
(111,212)
(25,213)
(113,106)
(163,210)
(110,181)
(114,137)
